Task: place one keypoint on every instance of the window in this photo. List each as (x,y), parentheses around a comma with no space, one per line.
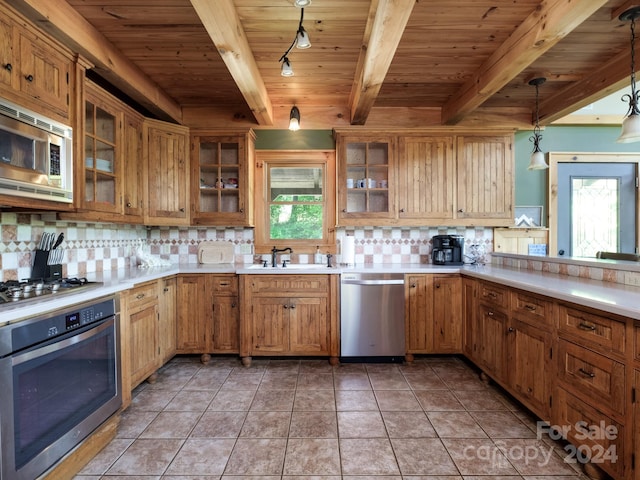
(295,200)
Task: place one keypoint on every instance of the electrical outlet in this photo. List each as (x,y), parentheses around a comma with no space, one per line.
(246,249)
(165,249)
(632,278)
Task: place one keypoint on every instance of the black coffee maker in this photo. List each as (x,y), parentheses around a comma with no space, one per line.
(447,249)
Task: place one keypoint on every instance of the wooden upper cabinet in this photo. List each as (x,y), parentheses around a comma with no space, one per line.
(100,190)
(366,178)
(426,175)
(35,69)
(132,167)
(222,178)
(485,179)
(166,173)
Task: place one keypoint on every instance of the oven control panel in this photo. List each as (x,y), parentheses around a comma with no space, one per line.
(30,332)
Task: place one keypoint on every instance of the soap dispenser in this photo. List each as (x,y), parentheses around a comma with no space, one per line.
(318,256)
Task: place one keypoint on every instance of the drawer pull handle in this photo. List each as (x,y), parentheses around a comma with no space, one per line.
(586,326)
(530,307)
(224,284)
(492,295)
(586,374)
(140,295)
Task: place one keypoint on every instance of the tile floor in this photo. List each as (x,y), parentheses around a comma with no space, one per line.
(304,419)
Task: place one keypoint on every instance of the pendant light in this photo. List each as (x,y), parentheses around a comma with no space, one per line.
(537,161)
(302,3)
(631,123)
(294,119)
(301,41)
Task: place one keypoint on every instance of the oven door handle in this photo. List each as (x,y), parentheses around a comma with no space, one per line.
(63,341)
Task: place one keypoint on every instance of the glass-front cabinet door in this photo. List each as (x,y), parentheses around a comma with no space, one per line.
(101,155)
(221,181)
(366,179)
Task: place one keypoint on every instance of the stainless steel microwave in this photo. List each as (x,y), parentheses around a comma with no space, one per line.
(36,155)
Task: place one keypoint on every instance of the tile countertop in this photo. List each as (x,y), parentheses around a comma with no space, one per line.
(611,297)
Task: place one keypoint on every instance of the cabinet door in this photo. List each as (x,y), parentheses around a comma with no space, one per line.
(447,314)
(270,325)
(308,326)
(471,342)
(529,365)
(132,166)
(220,180)
(7,58)
(165,155)
(226,325)
(426,173)
(144,343)
(44,73)
(418,332)
(366,174)
(167,324)
(492,342)
(193,312)
(102,138)
(485,179)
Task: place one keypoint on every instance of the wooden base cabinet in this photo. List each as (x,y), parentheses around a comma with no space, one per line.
(208,316)
(288,315)
(433,314)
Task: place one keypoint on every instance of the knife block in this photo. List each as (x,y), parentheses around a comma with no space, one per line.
(41,268)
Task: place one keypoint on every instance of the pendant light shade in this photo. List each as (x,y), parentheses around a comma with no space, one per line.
(302,41)
(537,160)
(302,3)
(631,123)
(294,119)
(286,70)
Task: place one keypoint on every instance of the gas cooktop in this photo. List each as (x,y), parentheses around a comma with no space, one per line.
(24,291)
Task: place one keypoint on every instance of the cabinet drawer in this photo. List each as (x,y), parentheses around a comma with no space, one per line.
(224,285)
(603,332)
(493,294)
(532,307)
(592,375)
(288,284)
(142,295)
(585,427)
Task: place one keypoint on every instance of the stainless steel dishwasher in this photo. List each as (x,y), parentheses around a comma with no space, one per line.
(372,316)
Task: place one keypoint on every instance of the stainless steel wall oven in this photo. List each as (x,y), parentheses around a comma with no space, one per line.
(60,377)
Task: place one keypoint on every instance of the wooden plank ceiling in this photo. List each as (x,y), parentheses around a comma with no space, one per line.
(378,63)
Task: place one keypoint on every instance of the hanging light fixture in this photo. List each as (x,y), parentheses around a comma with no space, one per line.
(537,161)
(631,123)
(294,119)
(301,41)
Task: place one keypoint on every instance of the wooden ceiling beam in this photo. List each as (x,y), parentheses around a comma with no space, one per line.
(223,25)
(65,24)
(539,32)
(383,32)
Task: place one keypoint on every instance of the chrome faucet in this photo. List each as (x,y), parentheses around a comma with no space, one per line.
(274,254)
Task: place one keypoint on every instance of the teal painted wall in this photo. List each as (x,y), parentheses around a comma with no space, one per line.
(300,140)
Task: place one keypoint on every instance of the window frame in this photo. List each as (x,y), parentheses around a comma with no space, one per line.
(265,159)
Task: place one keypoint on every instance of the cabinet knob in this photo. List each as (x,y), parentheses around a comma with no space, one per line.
(437,285)
(241,210)
(166,289)
(182,209)
(233,304)
(29,78)
(344,210)
(510,330)
(8,67)
(413,285)
(292,306)
(286,306)
(530,307)
(490,314)
(140,295)
(460,210)
(402,210)
(128,204)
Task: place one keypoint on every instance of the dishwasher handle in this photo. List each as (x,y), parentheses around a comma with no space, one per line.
(373,282)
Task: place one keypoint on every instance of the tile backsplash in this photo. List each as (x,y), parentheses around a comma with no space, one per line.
(94,247)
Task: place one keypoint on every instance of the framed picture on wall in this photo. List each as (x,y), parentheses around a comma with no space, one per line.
(528,216)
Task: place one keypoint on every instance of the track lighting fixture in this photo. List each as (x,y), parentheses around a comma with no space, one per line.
(294,119)
(301,41)
(631,123)
(537,161)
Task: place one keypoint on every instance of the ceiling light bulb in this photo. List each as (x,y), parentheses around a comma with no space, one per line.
(286,70)
(302,3)
(302,38)
(294,119)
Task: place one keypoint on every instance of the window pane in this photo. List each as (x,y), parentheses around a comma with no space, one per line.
(298,221)
(595,215)
(295,181)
